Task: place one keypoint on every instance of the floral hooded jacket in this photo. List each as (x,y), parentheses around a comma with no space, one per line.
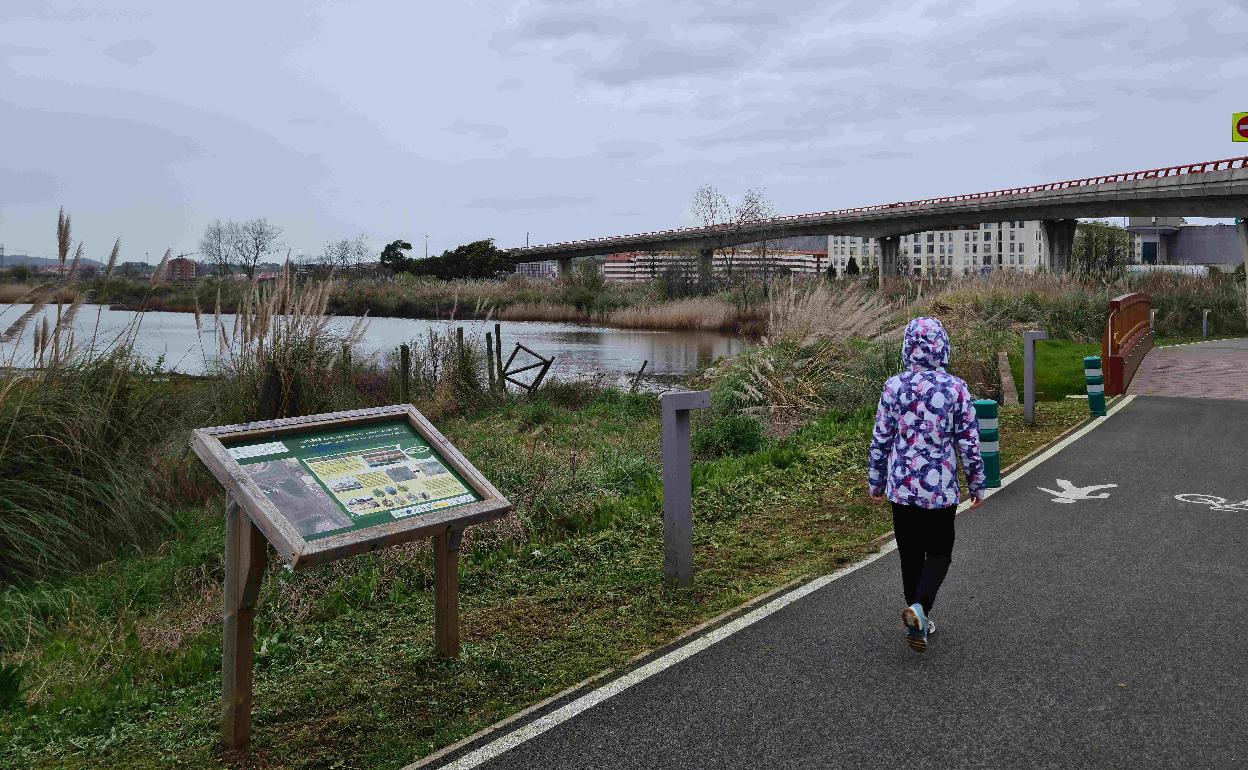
(924,413)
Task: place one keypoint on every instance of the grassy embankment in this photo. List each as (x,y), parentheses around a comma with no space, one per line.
(124,671)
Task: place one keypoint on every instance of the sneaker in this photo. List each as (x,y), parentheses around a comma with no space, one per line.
(916,627)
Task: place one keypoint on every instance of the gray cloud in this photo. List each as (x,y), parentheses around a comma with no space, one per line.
(888,155)
(510,84)
(18,185)
(487,131)
(856,54)
(11,49)
(628,149)
(530,203)
(130,51)
(655,60)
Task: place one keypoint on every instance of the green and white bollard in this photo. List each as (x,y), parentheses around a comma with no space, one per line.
(1096,385)
(989,440)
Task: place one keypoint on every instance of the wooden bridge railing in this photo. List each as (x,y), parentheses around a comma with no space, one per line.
(1128,338)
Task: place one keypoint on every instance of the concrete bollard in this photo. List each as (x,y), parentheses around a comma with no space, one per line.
(1152,320)
(989,440)
(1204,324)
(678,484)
(1029,373)
(1096,385)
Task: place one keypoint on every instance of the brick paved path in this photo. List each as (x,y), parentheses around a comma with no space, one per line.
(1216,369)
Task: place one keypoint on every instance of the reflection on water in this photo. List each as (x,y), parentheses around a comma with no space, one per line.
(578,350)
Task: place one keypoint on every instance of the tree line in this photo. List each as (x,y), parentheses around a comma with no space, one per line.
(241,247)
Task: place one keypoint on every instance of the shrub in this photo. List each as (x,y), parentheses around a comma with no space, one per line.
(730,434)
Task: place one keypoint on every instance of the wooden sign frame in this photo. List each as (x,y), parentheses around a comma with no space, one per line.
(211,445)
(252,519)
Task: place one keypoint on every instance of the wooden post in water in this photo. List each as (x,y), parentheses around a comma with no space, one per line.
(637,377)
(246,556)
(446,592)
(405,374)
(461,362)
(498,356)
(489,358)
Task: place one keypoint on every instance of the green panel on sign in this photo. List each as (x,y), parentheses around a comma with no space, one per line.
(330,481)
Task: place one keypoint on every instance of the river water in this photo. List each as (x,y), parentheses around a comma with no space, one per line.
(579,351)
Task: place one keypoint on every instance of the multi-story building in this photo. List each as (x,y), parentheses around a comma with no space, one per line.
(181,269)
(976,249)
(548,271)
(648,266)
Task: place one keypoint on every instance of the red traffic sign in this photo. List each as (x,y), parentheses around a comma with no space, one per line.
(1240,133)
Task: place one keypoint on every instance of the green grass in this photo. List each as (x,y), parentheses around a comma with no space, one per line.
(124,661)
(1059,365)
(1059,368)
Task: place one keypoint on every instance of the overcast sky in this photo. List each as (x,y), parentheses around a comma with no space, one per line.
(570,119)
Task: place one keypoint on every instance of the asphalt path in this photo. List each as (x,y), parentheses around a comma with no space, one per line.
(1102,632)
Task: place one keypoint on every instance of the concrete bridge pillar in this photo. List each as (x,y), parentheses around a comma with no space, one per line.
(1059,243)
(890,246)
(706,264)
(565,267)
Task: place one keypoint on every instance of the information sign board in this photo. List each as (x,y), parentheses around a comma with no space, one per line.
(329,485)
(323,487)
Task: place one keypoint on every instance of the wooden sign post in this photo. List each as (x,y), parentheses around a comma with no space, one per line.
(327,486)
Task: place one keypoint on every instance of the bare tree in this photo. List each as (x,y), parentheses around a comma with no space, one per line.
(345,254)
(217,246)
(754,211)
(710,208)
(252,241)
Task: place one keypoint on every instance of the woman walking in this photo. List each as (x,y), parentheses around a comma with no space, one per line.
(924,421)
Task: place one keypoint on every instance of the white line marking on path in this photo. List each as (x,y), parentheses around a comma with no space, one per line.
(505,743)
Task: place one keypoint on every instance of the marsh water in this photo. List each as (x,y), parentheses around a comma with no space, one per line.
(579,351)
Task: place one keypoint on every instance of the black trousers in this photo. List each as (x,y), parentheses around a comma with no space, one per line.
(925,545)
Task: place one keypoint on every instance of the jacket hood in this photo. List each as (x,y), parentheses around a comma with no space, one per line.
(926,345)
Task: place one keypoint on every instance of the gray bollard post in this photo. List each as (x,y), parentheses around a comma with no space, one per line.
(1029,373)
(678,485)
(1204,324)
(1152,320)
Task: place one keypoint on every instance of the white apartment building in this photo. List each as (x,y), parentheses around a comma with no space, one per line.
(980,248)
(548,271)
(645,266)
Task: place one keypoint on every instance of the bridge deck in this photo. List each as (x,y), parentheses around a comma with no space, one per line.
(1211,188)
(1214,369)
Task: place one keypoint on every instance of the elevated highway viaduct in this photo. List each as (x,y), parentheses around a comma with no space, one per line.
(1216,188)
